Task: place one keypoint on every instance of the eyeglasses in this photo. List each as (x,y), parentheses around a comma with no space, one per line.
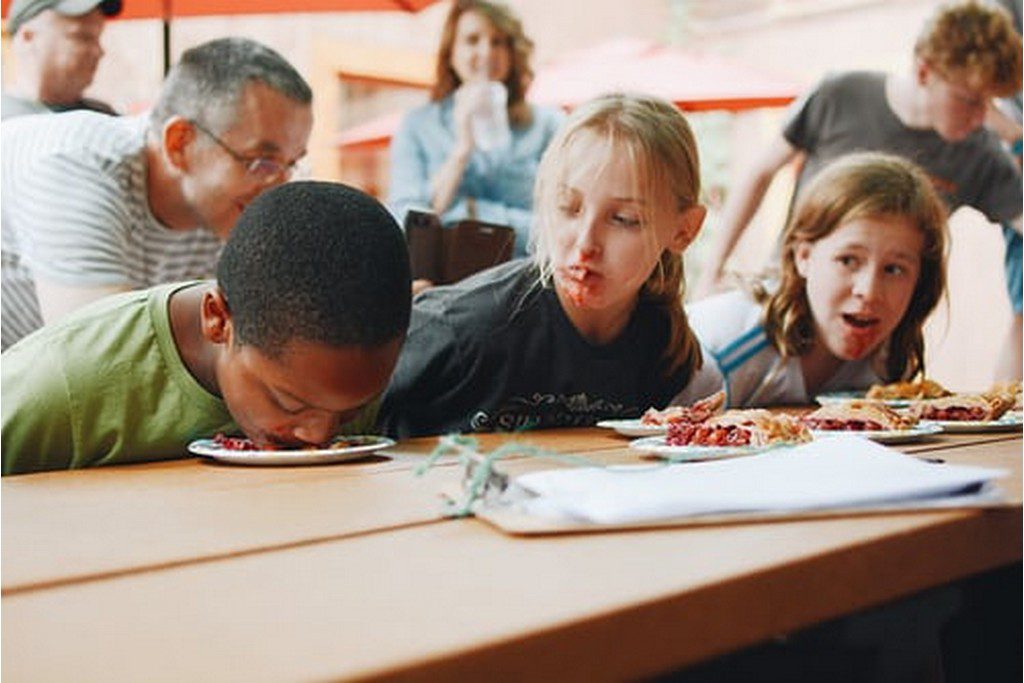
(263,169)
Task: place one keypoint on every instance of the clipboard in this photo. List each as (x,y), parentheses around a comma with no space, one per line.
(507,519)
(447,254)
(512,508)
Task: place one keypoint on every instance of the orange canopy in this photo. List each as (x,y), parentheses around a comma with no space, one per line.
(166,9)
(693,81)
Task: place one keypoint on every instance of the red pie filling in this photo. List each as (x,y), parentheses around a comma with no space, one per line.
(241,443)
(830,425)
(689,434)
(234,443)
(955,413)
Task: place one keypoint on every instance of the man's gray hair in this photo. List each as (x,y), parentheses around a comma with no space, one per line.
(208,81)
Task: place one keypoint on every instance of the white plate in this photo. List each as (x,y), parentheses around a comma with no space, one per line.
(885,435)
(846,396)
(633,427)
(657,446)
(1007,423)
(207,448)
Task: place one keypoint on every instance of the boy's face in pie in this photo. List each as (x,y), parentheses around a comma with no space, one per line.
(302,395)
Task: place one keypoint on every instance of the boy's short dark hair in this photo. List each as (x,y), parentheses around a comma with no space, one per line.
(317,261)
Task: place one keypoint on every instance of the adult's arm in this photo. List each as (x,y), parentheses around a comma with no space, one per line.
(545,125)
(412,185)
(409,184)
(56,300)
(740,207)
(445,184)
(74,242)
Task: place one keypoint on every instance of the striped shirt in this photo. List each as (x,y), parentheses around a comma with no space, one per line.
(741,360)
(75,211)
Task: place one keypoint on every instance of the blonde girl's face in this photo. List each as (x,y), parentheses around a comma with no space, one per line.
(480,50)
(602,243)
(860,280)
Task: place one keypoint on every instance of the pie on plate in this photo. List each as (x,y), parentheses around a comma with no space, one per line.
(656,445)
(1009,422)
(739,428)
(847,396)
(893,436)
(1010,391)
(237,451)
(962,407)
(698,412)
(857,416)
(923,388)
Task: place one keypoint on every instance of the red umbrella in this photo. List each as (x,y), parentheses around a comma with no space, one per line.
(166,10)
(694,81)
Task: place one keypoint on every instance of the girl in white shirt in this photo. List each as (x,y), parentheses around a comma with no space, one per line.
(862,267)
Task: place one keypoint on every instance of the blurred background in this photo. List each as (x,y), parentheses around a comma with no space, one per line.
(731,64)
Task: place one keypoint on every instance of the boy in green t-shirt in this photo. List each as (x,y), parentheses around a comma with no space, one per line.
(292,344)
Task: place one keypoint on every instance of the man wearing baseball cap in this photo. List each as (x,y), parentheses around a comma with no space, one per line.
(57,49)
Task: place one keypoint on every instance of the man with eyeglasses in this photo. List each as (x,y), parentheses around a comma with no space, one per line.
(966,54)
(94,205)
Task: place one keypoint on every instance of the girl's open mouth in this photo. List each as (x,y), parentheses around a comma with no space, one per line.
(859,322)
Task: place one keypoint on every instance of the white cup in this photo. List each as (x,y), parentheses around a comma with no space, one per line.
(490,120)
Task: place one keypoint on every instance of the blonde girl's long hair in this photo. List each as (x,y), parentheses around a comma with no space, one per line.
(662,151)
(520,73)
(862,185)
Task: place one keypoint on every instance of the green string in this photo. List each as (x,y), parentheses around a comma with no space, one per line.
(463,446)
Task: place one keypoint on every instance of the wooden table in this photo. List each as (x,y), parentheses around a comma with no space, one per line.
(180,571)
(118,520)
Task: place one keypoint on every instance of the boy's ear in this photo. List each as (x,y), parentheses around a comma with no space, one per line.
(176,136)
(215,318)
(921,71)
(688,224)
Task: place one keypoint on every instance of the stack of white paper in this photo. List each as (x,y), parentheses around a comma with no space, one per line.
(837,472)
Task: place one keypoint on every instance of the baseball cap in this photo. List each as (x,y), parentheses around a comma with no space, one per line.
(23,10)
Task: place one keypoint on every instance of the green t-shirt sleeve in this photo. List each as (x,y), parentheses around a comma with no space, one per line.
(36,409)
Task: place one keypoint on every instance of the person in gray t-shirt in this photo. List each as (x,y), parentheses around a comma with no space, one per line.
(965,55)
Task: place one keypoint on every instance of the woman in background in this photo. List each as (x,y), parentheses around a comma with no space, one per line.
(443,162)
